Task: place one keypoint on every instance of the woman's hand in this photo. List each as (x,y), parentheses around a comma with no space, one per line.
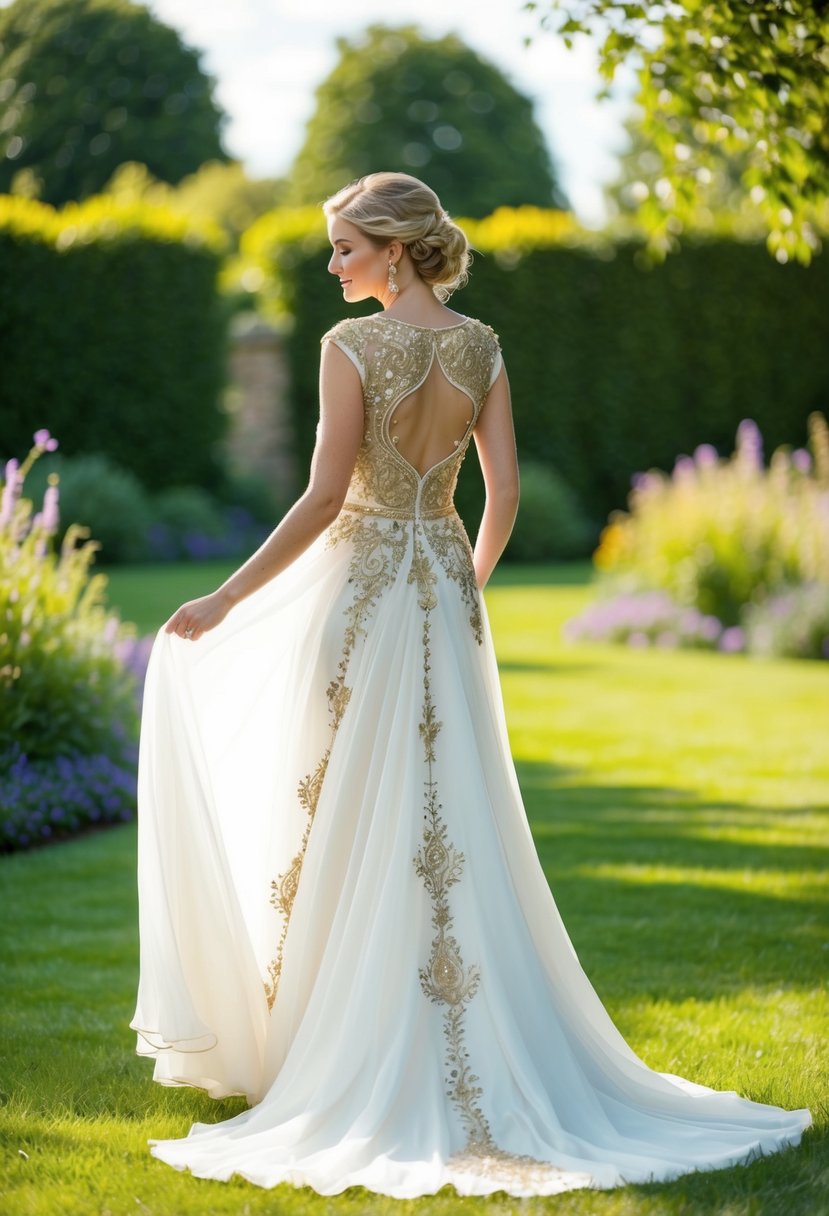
(195,617)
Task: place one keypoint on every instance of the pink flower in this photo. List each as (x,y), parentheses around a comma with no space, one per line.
(51,514)
(44,440)
(750,443)
(802,460)
(705,455)
(11,492)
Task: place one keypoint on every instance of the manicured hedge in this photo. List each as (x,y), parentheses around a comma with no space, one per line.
(614,367)
(113,335)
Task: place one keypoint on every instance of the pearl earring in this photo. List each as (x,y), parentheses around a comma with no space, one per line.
(393,288)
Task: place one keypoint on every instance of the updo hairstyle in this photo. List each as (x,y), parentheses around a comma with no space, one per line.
(395,206)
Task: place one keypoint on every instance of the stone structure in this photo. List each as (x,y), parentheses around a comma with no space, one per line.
(260,439)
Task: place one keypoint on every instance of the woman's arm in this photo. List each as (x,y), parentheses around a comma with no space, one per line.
(495,441)
(339,436)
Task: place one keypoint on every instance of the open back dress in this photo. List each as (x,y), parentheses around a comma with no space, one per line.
(342,913)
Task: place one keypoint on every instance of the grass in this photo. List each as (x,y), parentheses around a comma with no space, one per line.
(679,804)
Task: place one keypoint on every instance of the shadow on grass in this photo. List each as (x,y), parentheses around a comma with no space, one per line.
(657,865)
(543,574)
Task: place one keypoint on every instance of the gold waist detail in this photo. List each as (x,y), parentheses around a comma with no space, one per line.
(398,512)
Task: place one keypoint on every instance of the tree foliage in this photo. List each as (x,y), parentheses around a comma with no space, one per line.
(86,85)
(218,192)
(397,101)
(747,78)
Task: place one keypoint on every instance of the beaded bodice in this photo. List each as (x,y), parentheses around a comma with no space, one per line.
(394,359)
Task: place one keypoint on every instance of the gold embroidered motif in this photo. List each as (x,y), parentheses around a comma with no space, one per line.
(396,358)
(451,546)
(445,980)
(421,572)
(378,551)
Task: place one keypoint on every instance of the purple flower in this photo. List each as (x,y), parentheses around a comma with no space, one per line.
(732,640)
(750,443)
(705,455)
(11,491)
(684,468)
(51,514)
(44,440)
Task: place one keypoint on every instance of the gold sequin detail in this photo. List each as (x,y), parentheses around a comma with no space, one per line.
(378,549)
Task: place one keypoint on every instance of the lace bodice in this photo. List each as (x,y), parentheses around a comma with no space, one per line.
(394,359)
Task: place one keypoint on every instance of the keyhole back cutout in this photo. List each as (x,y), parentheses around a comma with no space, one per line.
(431,422)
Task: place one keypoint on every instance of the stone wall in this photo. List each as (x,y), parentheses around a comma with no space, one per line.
(260,439)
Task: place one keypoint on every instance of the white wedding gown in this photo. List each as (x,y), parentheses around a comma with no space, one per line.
(342,913)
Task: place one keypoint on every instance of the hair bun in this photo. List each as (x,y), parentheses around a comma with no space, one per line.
(396,206)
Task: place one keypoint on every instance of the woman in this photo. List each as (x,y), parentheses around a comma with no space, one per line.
(343,916)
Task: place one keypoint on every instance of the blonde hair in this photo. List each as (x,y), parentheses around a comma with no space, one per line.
(395,206)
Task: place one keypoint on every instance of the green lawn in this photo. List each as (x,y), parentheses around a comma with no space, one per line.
(679,802)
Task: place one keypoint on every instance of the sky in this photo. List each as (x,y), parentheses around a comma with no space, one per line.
(268,56)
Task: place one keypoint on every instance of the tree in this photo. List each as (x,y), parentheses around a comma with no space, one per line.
(89,84)
(749,78)
(397,101)
(642,174)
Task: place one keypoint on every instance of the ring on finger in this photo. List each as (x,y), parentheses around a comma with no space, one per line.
(188,633)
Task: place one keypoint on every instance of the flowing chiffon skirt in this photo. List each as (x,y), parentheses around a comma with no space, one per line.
(343,915)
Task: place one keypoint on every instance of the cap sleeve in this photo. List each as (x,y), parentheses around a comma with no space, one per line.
(348,337)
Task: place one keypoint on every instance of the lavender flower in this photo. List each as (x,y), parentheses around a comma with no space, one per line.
(750,443)
(733,640)
(705,456)
(684,468)
(802,460)
(51,514)
(11,491)
(44,441)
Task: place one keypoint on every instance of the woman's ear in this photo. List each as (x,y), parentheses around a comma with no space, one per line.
(395,251)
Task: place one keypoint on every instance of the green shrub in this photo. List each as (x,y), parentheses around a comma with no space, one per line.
(550,523)
(108,501)
(112,326)
(613,367)
(63,691)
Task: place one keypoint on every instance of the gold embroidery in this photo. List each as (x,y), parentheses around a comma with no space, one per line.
(451,546)
(421,572)
(396,358)
(378,549)
(445,980)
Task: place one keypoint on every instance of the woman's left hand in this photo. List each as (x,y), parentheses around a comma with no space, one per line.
(195,617)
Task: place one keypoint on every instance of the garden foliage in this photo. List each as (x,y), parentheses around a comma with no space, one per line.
(67,702)
(722,552)
(130,524)
(613,367)
(112,326)
(89,84)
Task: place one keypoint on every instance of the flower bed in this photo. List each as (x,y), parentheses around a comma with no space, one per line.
(68,713)
(724,554)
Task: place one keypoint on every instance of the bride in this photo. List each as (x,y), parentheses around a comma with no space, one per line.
(342,914)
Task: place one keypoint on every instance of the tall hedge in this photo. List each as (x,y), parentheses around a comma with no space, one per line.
(614,367)
(113,335)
